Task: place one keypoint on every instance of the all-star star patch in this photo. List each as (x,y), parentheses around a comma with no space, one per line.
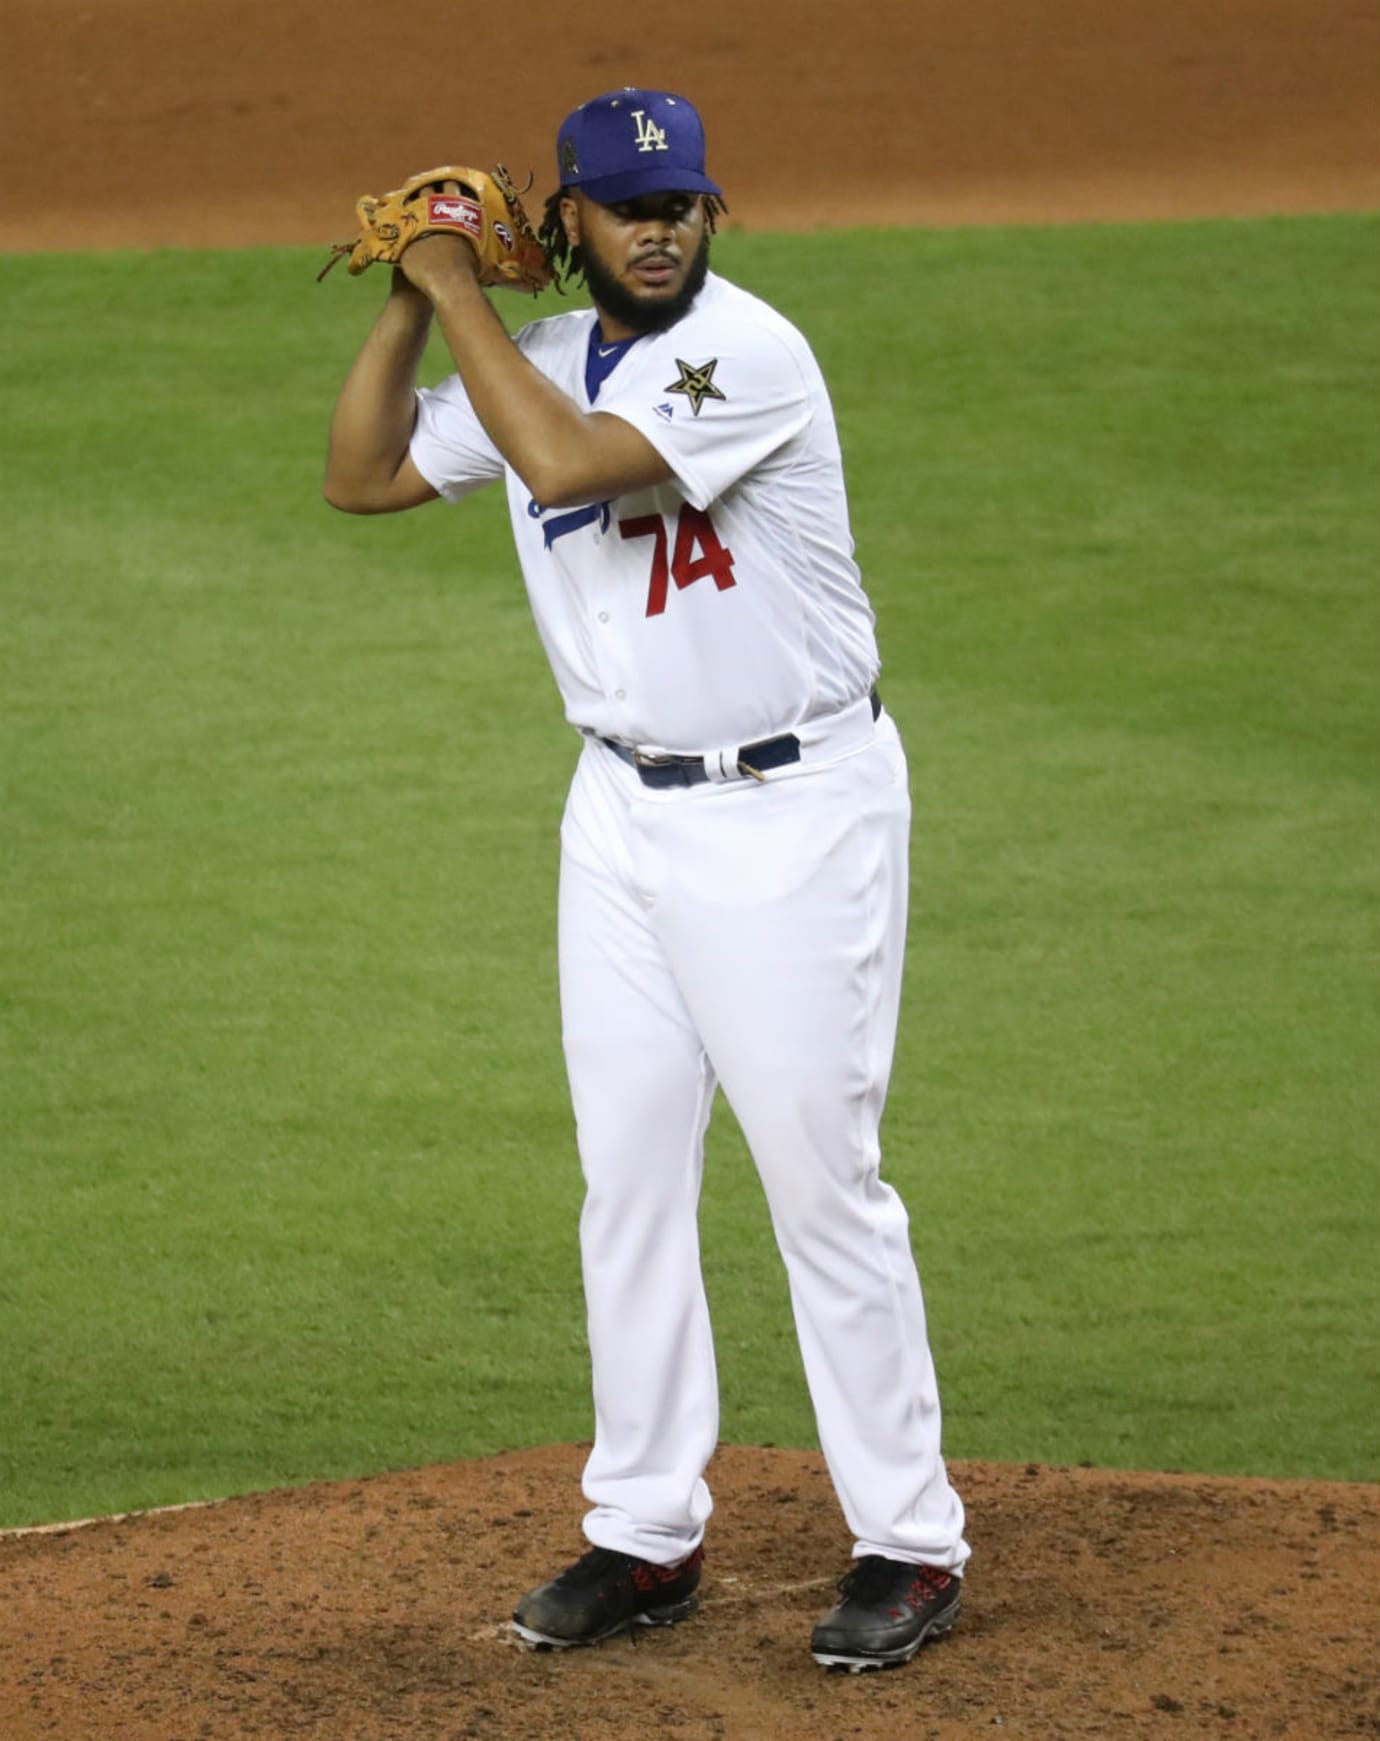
(697,383)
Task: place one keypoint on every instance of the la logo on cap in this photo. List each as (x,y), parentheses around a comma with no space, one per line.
(631,143)
(650,137)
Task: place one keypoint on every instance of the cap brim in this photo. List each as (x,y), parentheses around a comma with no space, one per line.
(609,190)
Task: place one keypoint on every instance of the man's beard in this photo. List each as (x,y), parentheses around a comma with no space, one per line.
(631,310)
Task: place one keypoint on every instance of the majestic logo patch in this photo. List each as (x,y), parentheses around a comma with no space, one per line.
(650,137)
(570,160)
(697,383)
(666,411)
(451,213)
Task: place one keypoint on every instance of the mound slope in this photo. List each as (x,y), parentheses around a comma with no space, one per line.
(1099,1604)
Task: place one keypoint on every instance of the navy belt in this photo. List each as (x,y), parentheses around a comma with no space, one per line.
(754,759)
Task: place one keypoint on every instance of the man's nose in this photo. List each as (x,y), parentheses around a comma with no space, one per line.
(656,227)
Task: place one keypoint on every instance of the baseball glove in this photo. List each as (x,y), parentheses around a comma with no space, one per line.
(487,212)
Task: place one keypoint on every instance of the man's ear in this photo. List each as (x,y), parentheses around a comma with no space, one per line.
(570,217)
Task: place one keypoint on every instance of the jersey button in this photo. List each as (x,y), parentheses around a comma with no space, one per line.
(620,695)
(603,616)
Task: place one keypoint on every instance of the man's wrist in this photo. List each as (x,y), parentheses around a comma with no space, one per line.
(437,265)
(405,292)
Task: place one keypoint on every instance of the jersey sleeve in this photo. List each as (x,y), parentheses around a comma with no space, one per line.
(713,414)
(449,446)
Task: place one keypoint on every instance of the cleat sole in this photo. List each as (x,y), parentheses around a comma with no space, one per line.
(667,1616)
(860,1662)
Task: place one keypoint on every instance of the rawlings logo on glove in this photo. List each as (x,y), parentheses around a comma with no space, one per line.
(464,215)
(487,212)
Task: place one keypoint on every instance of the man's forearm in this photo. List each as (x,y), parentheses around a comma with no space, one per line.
(538,429)
(372,423)
(564,455)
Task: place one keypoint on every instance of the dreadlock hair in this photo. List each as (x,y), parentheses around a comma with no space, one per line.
(568,263)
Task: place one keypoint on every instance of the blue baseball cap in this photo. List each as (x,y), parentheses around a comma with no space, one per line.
(631,142)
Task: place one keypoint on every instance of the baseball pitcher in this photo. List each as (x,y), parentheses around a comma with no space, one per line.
(734,848)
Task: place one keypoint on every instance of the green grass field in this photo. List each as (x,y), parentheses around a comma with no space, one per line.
(287,1181)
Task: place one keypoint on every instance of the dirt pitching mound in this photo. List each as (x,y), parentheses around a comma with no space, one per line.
(1097,1604)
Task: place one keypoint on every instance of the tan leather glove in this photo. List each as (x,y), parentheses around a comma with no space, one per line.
(486,211)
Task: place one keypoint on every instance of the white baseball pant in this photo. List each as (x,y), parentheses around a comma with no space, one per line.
(750,934)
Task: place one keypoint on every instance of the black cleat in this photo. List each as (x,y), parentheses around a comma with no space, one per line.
(604,1593)
(889,1609)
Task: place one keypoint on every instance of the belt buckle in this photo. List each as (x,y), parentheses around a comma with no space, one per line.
(642,760)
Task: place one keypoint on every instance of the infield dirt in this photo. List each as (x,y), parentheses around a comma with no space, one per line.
(1099,1604)
(262,121)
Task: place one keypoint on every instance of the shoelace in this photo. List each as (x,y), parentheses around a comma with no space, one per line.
(598,1563)
(593,1566)
(875,1577)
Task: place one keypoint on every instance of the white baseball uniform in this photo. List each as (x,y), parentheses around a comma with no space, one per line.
(747,930)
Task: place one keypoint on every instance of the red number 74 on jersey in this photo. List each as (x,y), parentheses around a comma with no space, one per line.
(694,531)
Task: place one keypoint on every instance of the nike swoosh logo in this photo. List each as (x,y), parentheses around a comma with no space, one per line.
(607,351)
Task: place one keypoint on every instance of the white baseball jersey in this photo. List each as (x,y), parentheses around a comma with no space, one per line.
(724,606)
(744,933)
